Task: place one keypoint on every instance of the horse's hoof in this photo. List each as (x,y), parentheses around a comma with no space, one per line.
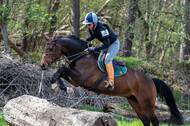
(70,90)
(55,87)
(52,80)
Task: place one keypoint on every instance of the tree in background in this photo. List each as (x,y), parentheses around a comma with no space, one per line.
(185,47)
(54,16)
(4,12)
(129,33)
(147,28)
(75,18)
(0,39)
(24,43)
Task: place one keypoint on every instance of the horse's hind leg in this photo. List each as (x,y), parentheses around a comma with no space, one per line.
(138,109)
(152,117)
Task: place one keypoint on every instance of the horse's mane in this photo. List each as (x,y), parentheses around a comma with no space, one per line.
(82,42)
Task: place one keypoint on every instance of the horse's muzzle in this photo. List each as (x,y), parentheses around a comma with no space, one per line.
(43,64)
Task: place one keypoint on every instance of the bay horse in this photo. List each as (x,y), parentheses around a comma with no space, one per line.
(139,89)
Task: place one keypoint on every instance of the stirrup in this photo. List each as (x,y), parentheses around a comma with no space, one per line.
(109,85)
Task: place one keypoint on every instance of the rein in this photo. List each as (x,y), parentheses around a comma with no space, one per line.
(76,56)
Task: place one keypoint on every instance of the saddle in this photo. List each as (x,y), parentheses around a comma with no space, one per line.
(119,65)
(119,70)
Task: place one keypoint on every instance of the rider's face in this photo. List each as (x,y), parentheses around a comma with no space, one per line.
(90,26)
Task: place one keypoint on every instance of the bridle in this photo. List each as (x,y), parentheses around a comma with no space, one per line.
(51,53)
(69,59)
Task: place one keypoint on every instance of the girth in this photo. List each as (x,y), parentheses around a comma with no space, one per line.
(97,83)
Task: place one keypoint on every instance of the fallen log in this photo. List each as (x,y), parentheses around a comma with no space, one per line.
(32,111)
(162,107)
(118,109)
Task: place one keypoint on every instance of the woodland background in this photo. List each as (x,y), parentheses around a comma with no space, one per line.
(154,37)
(148,29)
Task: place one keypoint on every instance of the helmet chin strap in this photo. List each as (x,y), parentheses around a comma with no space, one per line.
(94,24)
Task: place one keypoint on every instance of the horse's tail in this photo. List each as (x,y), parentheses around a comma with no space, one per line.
(165,93)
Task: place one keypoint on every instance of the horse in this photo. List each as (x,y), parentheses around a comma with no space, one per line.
(139,89)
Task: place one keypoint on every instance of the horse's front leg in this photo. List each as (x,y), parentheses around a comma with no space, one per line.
(57,78)
(57,74)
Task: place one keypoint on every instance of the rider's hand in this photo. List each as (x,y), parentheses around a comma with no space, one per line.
(91,49)
(88,44)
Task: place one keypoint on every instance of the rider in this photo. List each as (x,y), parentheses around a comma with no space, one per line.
(108,37)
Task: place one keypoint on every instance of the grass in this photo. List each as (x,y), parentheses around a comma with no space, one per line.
(2,120)
(90,108)
(129,123)
(127,106)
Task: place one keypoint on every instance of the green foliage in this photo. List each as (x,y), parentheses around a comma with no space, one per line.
(123,122)
(90,108)
(2,104)
(132,62)
(37,55)
(127,106)
(3,11)
(39,15)
(181,99)
(2,120)
(177,95)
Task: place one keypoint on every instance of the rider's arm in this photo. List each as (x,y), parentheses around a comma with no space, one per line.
(90,38)
(106,44)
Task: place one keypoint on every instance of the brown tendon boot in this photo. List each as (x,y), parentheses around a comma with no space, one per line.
(110,71)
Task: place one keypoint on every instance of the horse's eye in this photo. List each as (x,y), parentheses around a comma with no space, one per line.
(50,49)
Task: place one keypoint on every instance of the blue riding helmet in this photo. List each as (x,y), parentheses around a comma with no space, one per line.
(90,18)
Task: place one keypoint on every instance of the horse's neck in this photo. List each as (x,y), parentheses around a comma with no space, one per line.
(72,47)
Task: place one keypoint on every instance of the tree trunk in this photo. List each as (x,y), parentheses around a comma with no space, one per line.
(54,18)
(75,18)
(186,29)
(32,111)
(129,33)
(0,40)
(145,20)
(181,52)
(152,47)
(3,23)
(166,45)
(5,37)
(25,38)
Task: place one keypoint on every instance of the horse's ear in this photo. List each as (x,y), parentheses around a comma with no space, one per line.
(46,37)
(54,35)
